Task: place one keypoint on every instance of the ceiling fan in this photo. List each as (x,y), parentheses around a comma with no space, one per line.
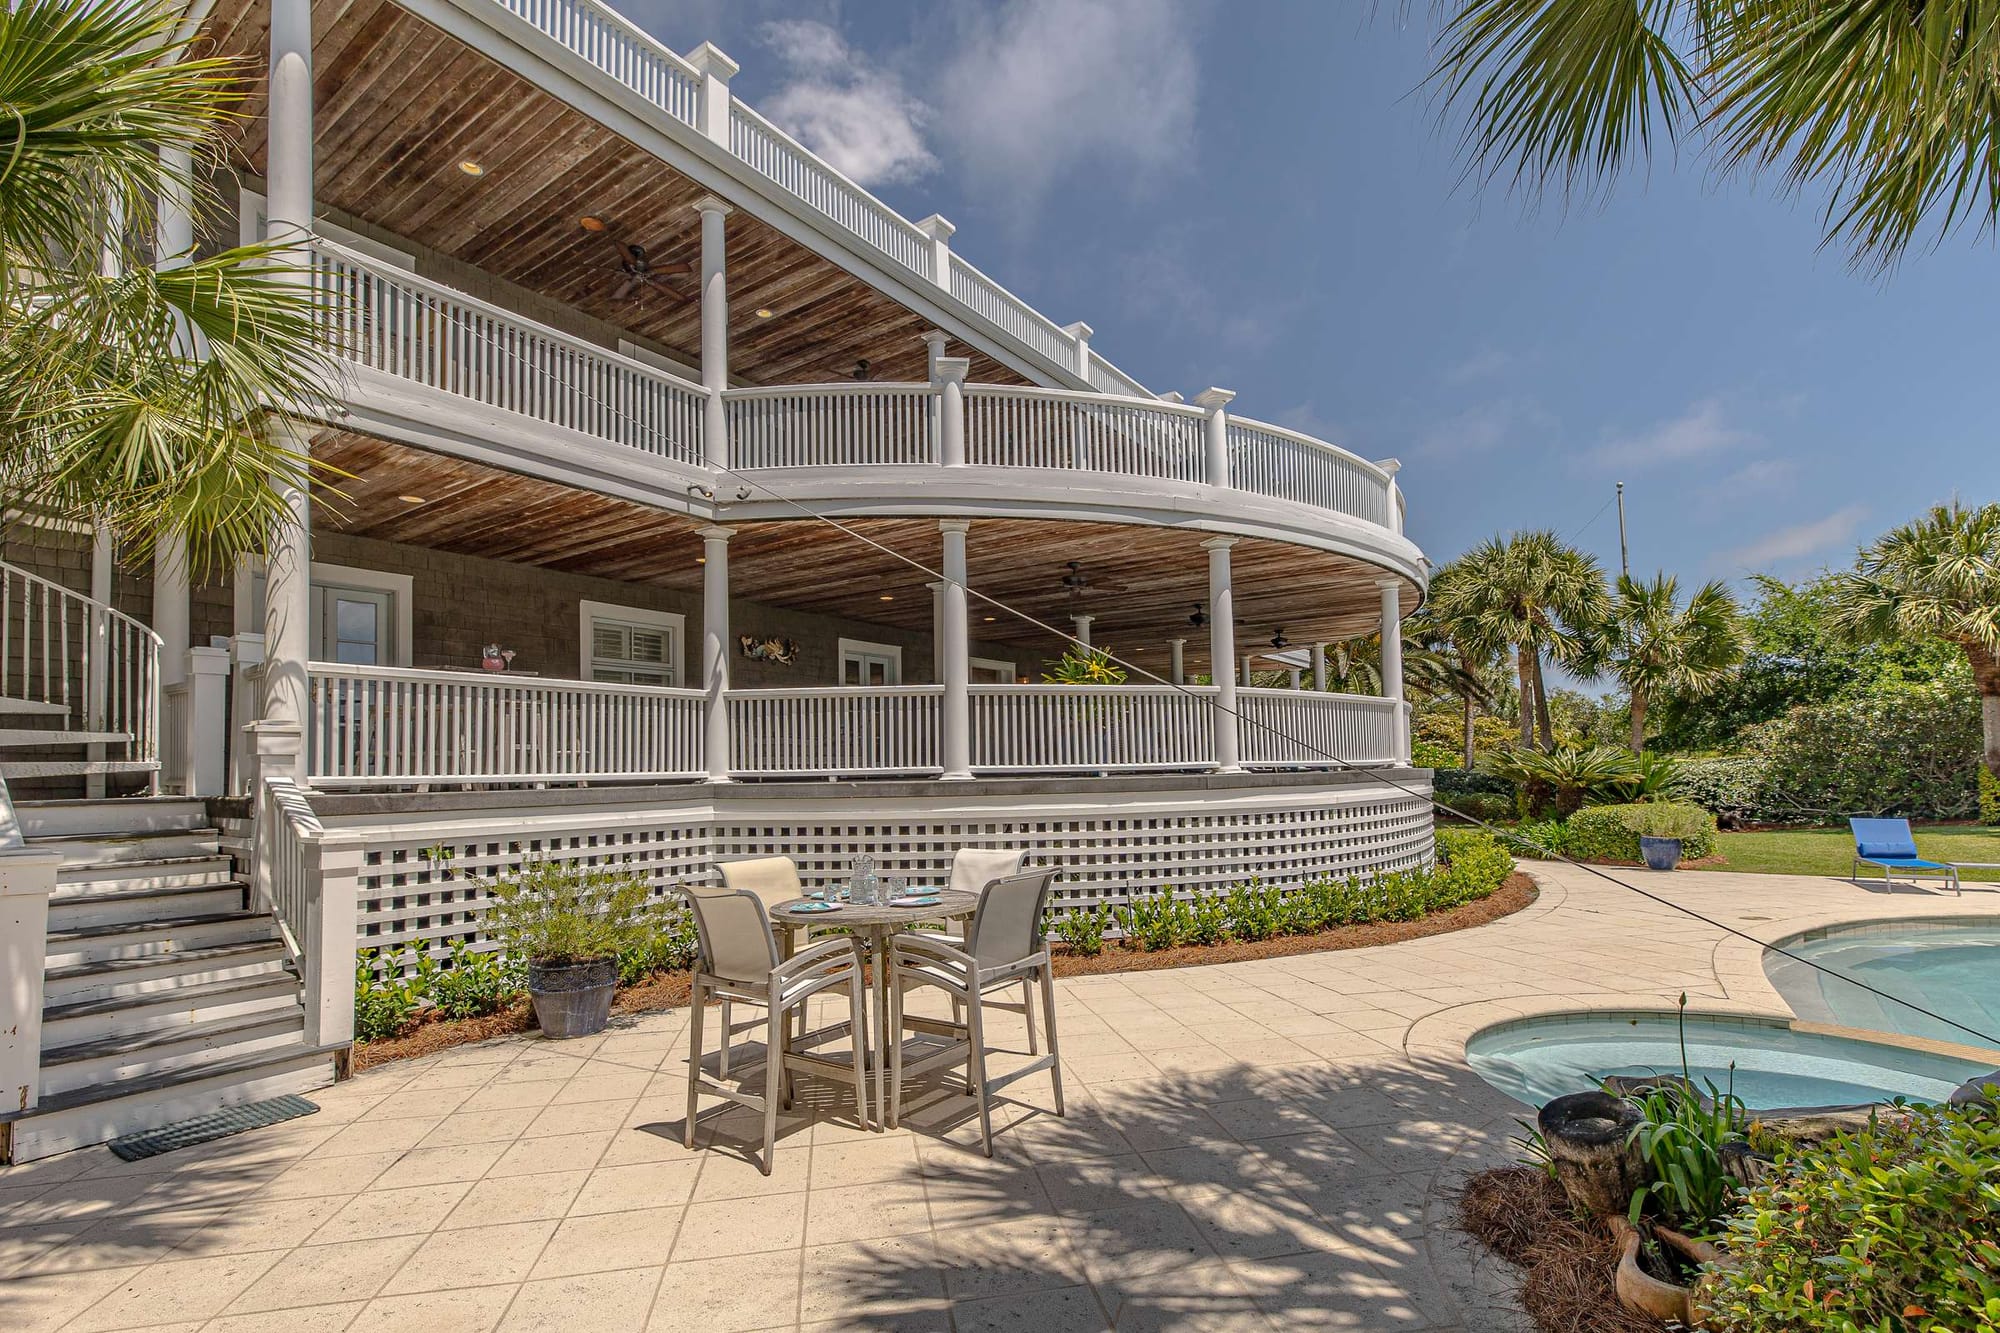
(637,273)
(1080,585)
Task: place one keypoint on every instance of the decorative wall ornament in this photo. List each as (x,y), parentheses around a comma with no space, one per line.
(782,651)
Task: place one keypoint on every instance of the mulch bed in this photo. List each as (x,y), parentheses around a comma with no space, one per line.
(669,990)
(1568,1268)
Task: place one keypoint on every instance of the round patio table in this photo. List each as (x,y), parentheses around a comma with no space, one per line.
(876,923)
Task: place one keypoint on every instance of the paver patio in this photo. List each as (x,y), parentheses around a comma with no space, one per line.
(1256,1145)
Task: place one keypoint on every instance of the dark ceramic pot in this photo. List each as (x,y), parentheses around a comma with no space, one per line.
(573,999)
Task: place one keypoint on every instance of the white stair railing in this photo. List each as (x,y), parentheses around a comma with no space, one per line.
(370,724)
(1070,728)
(393,321)
(292,883)
(99,665)
(835,732)
(1307,729)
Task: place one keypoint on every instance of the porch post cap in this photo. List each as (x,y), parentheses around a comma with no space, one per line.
(1389,582)
(1171,396)
(954,368)
(708,203)
(1079,330)
(708,58)
(1219,543)
(954,525)
(1212,398)
(937,227)
(715,533)
(1390,465)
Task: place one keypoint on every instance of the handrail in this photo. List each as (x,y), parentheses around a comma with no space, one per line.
(1009,312)
(784,161)
(1272,460)
(317,926)
(1373,469)
(829,425)
(62,648)
(493,679)
(682,84)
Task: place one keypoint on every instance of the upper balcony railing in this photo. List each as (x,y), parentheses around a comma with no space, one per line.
(419,331)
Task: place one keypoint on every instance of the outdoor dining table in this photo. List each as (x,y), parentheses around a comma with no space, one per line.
(876,922)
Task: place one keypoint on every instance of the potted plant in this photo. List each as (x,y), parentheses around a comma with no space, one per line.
(569,923)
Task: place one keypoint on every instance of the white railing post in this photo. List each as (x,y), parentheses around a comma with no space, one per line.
(1080,333)
(1222,653)
(1392,466)
(97,653)
(334,878)
(715,325)
(957,650)
(26,881)
(205,722)
(715,650)
(1392,660)
(246,699)
(716,70)
(940,232)
(1216,439)
(950,376)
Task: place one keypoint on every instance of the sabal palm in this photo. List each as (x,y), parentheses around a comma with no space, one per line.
(1891,109)
(1464,659)
(1655,646)
(129,393)
(1937,577)
(1534,596)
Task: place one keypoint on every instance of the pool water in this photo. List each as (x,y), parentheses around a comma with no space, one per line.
(1539,1059)
(1951,967)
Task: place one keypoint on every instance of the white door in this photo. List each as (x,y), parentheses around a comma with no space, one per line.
(353,625)
(864,666)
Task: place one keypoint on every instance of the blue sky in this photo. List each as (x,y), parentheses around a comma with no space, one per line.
(1257,195)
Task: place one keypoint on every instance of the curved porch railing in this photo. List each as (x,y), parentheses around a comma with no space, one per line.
(830,425)
(1271,460)
(1304,729)
(834,732)
(1090,728)
(65,651)
(1082,432)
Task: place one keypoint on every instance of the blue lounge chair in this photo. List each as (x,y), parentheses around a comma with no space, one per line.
(1889,844)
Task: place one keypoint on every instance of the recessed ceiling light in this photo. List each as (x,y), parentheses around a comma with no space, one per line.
(886,597)
(765,312)
(590,222)
(471,168)
(701,560)
(991,619)
(411,499)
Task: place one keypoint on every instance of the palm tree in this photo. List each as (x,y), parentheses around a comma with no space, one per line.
(1463,660)
(1534,596)
(1937,577)
(133,394)
(1654,646)
(1891,109)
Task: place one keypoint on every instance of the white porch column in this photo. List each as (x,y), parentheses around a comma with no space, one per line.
(715,650)
(714,326)
(1294,682)
(1246,672)
(1392,660)
(957,649)
(716,71)
(170,604)
(1177,661)
(1222,653)
(288,207)
(1217,434)
(1082,624)
(948,374)
(940,232)
(1319,666)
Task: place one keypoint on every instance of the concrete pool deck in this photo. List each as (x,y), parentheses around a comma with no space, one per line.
(1252,1145)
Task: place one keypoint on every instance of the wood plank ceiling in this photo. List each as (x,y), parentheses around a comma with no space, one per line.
(1145,582)
(399,104)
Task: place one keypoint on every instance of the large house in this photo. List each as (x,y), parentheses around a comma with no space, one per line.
(769,507)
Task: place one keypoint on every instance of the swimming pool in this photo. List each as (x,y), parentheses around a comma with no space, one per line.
(1539,1059)
(1950,966)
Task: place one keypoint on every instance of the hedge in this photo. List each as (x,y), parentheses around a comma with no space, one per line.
(1909,750)
(1612,832)
(1989,796)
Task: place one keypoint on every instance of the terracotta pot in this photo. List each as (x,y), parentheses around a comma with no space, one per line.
(1642,1293)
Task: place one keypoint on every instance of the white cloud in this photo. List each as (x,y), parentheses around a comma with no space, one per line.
(1043,88)
(836,102)
(1479,429)
(1482,364)
(1800,540)
(1695,433)
(1758,477)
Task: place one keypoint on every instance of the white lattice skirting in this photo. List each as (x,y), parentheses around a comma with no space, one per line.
(1110,839)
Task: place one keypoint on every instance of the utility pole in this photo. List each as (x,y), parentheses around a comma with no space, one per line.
(1624,560)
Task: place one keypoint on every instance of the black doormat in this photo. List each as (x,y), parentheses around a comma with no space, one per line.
(207,1128)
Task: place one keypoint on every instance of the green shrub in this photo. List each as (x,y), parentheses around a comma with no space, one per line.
(384,1005)
(472,983)
(1154,923)
(1612,832)
(1545,840)
(1560,781)
(1254,912)
(674,948)
(562,912)
(1732,787)
(1081,928)
(1681,1136)
(1207,921)
(1430,754)
(1472,862)
(1893,1229)
(1910,750)
(1484,806)
(1989,796)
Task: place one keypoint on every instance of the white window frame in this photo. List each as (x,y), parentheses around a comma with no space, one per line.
(674,623)
(1006,669)
(249,584)
(863,646)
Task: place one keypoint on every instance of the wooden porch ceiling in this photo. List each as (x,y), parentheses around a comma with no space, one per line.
(400,104)
(1145,580)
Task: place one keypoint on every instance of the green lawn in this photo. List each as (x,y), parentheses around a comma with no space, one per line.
(1831,851)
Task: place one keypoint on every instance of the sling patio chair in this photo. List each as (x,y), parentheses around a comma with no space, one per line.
(740,962)
(1888,843)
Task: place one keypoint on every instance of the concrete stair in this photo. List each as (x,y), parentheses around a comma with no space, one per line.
(167,993)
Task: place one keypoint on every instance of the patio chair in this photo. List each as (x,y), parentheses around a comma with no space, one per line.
(974,870)
(739,962)
(774,879)
(1003,947)
(1889,844)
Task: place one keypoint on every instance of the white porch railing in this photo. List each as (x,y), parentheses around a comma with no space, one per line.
(1049,428)
(101,666)
(620,48)
(373,724)
(834,732)
(291,881)
(830,425)
(1302,728)
(1010,313)
(1088,728)
(774,154)
(1271,460)
(390,320)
